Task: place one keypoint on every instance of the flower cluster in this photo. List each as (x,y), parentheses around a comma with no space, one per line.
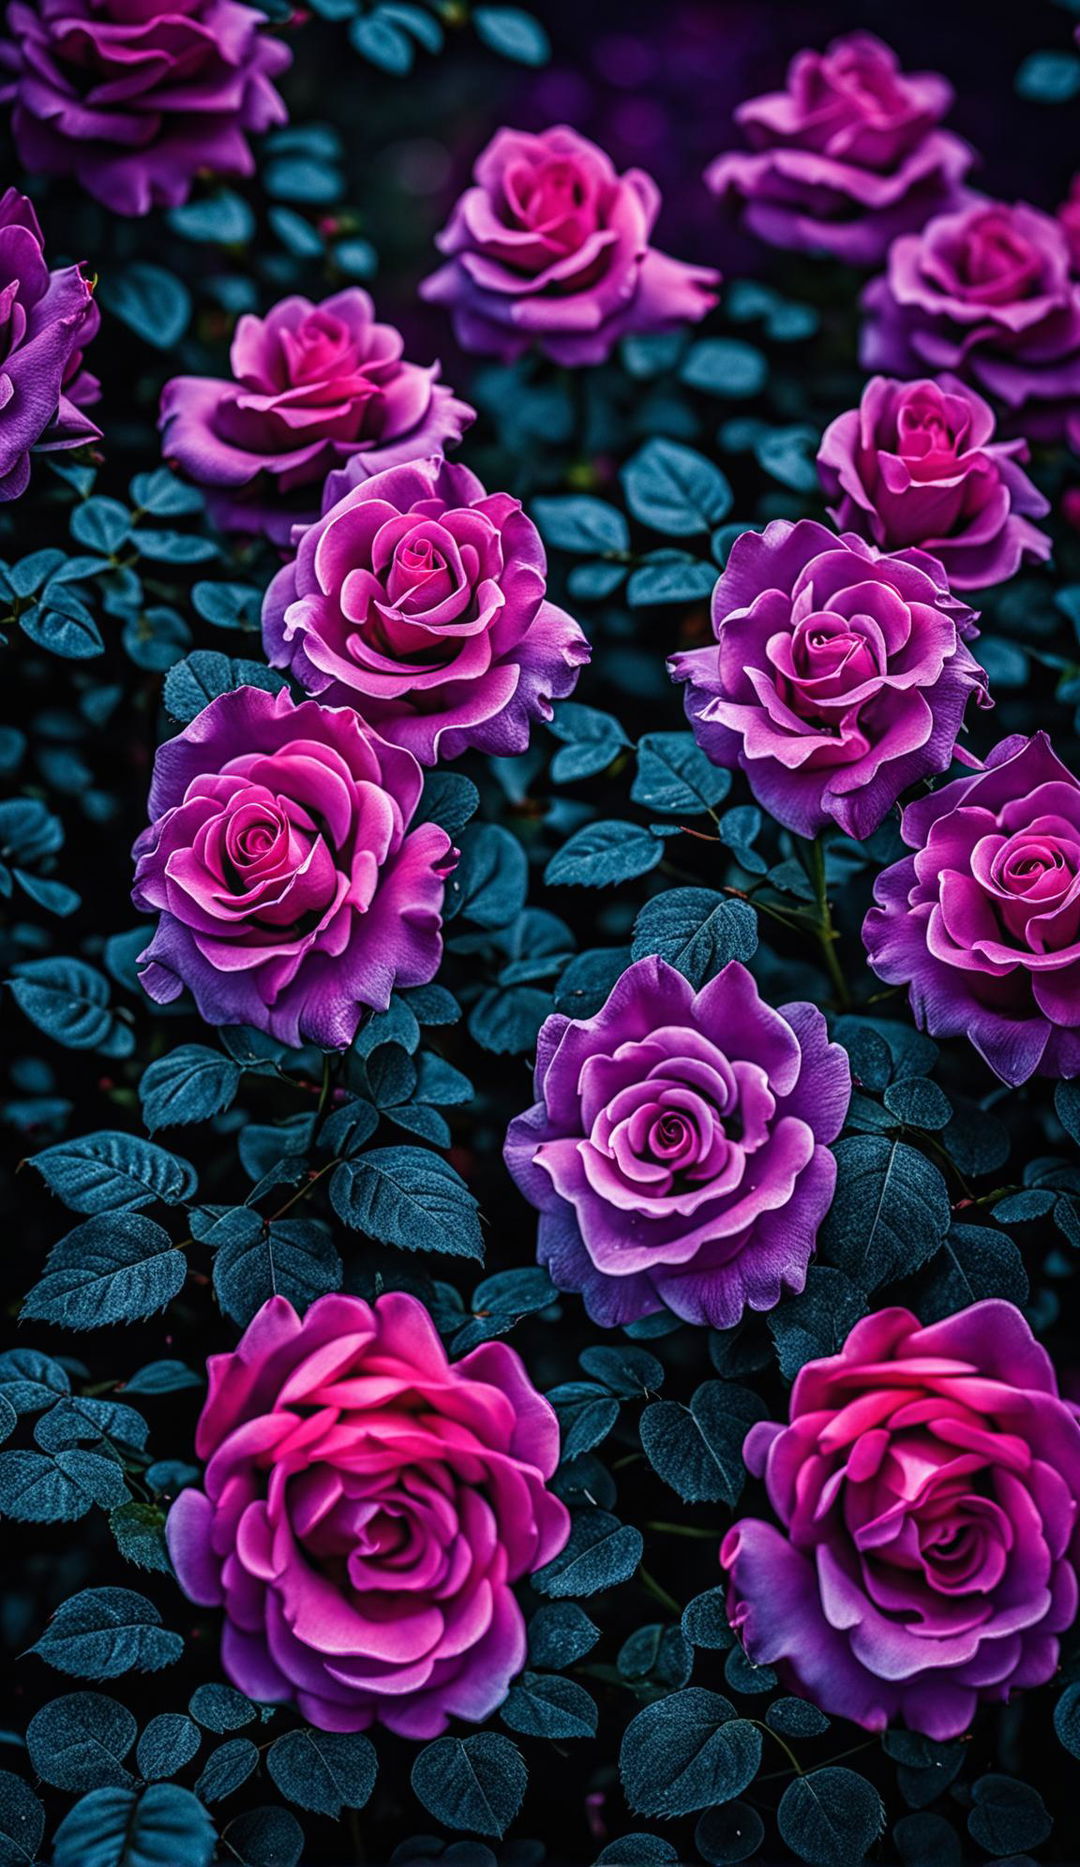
(737,1137)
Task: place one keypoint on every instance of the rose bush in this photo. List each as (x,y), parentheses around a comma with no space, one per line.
(928,1489)
(839,676)
(46,320)
(987,292)
(291,886)
(917,464)
(677,1151)
(982,922)
(314,387)
(419,599)
(551,246)
(848,155)
(133,98)
(367,1507)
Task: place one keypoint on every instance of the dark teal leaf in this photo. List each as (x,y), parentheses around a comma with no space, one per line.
(696,930)
(117,1267)
(601,1553)
(1009,1817)
(697,1450)
(686,1752)
(110,1170)
(674,776)
(476,1783)
(160,1827)
(602,854)
(187,1085)
(410,1197)
(103,1632)
(153,303)
(325,1771)
(830,1817)
(544,1705)
(674,489)
(890,1211)
(79,1741)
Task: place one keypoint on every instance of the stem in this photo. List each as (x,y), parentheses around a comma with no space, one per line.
(786,1748)
(683,1529)
(826,933)
(303,1190)
(661,1594)
(327,1084)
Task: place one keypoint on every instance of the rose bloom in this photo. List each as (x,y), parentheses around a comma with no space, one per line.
(313,387)
(838,678)
(45,320)
(677,1151)
(982,923)
(365,1509)
(847,156)
(420,600)
(1069,216)
(927,1488)
(551,246)
(917,464)
(134,98)
(292,891)
(987,292)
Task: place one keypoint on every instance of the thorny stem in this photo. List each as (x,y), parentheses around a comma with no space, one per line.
(826,932)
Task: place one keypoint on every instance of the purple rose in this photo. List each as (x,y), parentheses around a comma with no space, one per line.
(982,923)
(365,1509)
(314,387)
(677,1148)
(987,292)
(551,247)
(420,600)
(45,320)
(1069,216)
(927,1488)
(839,677)
(291,890)
(917,464)
(847,156)
(134,98)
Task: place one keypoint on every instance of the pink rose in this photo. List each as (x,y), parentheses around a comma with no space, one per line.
(366,1507)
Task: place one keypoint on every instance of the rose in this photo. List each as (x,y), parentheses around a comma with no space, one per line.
(917,464)
(838,678)
(927,1489)
(420,600)
(45,320)
(365,1508)
(987,292)
(847,156)
(1069,216)
(982,923)
(133,98)
(676,1151)
(551,247)
(291,891)
(314,387)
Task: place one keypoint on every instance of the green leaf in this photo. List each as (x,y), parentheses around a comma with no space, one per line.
(674,489)
(601,1553)
(117,1828)
(602,854)
(410,1197)
(830,1817)
(543,1705)
(325,1771)
(475,1783)
(110,1171)
(513,33)
(103,1632)
(697,931)
(118,1267)
(674,776)
(890,1211)
(697,1450)
(153,303)
(685,1752)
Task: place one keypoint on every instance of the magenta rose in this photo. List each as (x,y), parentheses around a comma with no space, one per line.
(988,293)
(847,156)
(917,464)
(838,678)
(677,1150)
(314,387)
(420,600)
(46,319)
(982,923)
(927,1487)
(133,98)
(366,1507)
(1069,216)
(551,247)
(292,892)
